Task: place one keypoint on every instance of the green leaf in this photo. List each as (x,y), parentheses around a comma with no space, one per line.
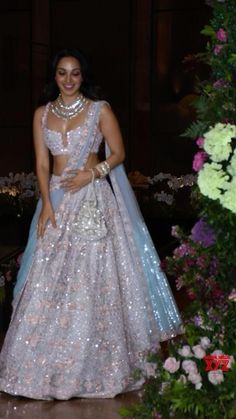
(208,31)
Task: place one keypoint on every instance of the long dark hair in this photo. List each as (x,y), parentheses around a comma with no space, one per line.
(88,87)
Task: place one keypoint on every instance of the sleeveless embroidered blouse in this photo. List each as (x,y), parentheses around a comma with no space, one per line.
(74,137)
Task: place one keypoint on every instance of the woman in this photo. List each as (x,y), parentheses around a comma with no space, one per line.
(90,299)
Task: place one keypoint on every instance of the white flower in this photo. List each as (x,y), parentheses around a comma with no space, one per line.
(217,141)
(211,180)
(198,351)
(189,366)
(198,386)
(228,198)
(171,365)
(231,361)
(194,377)
(150,369)
(216,377)
(217,352)
(185,351)
(205,342)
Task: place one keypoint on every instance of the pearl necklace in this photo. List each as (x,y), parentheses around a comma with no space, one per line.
(68,111)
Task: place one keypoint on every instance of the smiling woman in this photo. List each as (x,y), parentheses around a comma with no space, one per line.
(90,299)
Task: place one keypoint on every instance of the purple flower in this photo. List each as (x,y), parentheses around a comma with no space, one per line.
(217,49)
(199,160)
(220,84)
(202,233)
(221,35)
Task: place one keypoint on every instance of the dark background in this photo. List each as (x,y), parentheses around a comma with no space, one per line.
(136,48)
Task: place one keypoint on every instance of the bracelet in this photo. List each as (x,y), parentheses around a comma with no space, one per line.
(103,168)
(93,175)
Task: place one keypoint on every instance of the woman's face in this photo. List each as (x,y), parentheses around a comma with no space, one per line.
(68,76)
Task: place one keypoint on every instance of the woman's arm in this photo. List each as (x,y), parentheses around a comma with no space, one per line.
(42,170)
(110,129)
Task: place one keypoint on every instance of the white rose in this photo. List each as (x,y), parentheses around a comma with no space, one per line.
(198,386)
(185,351)
(171,365)
(217,352)
(189,366)
(216,377)
(194,377)
(205,342)
(198,351)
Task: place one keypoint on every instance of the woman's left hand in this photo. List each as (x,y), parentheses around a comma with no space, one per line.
(78,180)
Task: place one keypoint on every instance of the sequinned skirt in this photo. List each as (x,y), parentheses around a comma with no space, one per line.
(83,321)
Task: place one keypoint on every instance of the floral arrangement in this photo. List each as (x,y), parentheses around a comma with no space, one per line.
(203,264)
(216,165)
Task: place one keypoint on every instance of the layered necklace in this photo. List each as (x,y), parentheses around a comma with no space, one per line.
(68,111)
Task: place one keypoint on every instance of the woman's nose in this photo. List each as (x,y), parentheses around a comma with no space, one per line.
(68,77)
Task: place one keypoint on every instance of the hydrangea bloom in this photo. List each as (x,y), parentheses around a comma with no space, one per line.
(218,141)
(202,233)
(228,199)
(211,180)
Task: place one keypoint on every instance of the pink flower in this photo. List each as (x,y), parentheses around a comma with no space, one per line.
(194,377)
(221,35)
(199,160)
(179,283)
(217,49)
(198,351)
(205,342)
(200,141)
(189,366)
(185,351)
(215,377)
(171,365)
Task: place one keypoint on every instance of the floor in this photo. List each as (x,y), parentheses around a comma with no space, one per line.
(16,407)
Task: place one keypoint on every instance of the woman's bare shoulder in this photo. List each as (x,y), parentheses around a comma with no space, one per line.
(39,113)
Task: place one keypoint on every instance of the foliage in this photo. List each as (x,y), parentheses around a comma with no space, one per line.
(216,102)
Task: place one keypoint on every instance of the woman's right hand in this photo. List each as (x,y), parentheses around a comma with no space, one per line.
(47,213)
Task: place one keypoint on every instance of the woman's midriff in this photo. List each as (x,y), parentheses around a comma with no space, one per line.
(59,163)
